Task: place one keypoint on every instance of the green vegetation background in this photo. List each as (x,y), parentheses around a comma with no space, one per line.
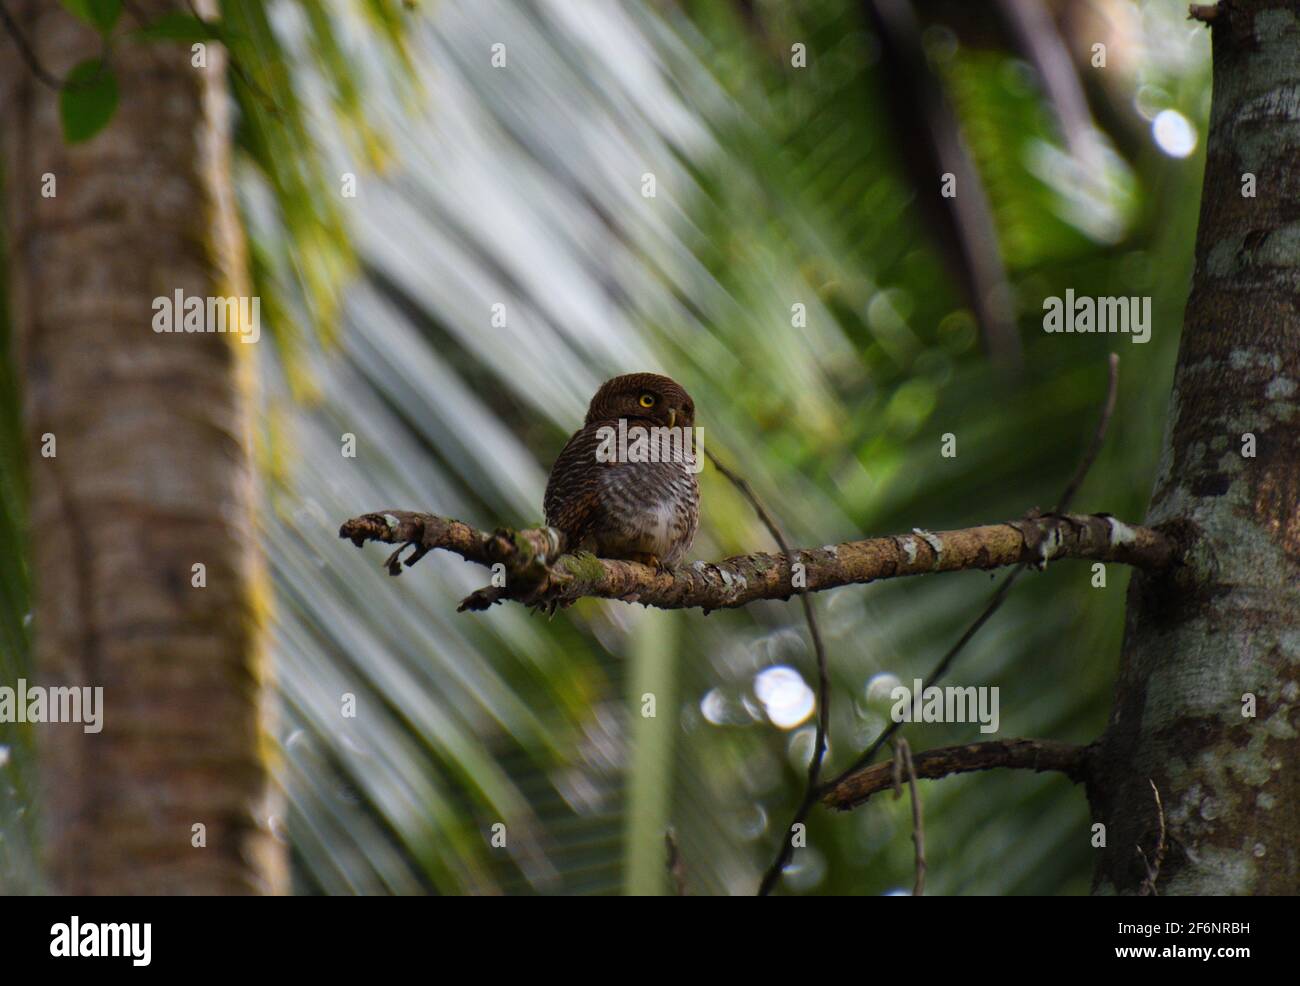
(521,186)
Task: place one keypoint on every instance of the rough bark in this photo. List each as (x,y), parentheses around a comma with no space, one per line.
(1020,754)
(152,473)
(1230,784)
(538,572)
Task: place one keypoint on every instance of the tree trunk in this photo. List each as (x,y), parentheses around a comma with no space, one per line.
(1198,647)
(151,475)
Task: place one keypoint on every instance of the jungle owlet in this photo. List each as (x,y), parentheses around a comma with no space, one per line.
(602,493)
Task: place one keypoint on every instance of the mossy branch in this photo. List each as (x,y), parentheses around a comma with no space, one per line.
(538,572)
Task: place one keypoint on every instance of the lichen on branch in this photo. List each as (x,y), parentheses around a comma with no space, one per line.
(538,572)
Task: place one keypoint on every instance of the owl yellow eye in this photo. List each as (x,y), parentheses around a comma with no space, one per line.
(647,400)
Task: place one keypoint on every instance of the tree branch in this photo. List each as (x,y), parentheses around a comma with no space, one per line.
(903,761)
(1004,587)
(1023,754)
(538,572)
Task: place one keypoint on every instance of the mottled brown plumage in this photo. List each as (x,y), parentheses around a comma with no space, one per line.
(644,511)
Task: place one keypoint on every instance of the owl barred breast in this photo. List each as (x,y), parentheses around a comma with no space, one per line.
(636,510)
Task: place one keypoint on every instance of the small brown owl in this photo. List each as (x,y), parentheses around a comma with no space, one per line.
(602,493)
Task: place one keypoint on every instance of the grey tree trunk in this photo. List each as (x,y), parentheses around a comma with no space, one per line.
(151,475)
(1196,651)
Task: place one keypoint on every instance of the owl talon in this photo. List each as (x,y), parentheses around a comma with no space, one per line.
(649,560)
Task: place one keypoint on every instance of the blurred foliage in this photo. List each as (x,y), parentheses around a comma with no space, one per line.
(18,857)
(520,186)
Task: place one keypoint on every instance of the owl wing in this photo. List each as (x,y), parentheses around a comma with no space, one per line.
(573,501)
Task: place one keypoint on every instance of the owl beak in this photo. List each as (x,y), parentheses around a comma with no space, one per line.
(672,417)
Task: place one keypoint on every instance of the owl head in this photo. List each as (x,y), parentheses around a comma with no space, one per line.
(648,396)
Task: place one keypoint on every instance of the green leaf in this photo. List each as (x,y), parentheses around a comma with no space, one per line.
(99,14)
(87,101)
(177,26)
